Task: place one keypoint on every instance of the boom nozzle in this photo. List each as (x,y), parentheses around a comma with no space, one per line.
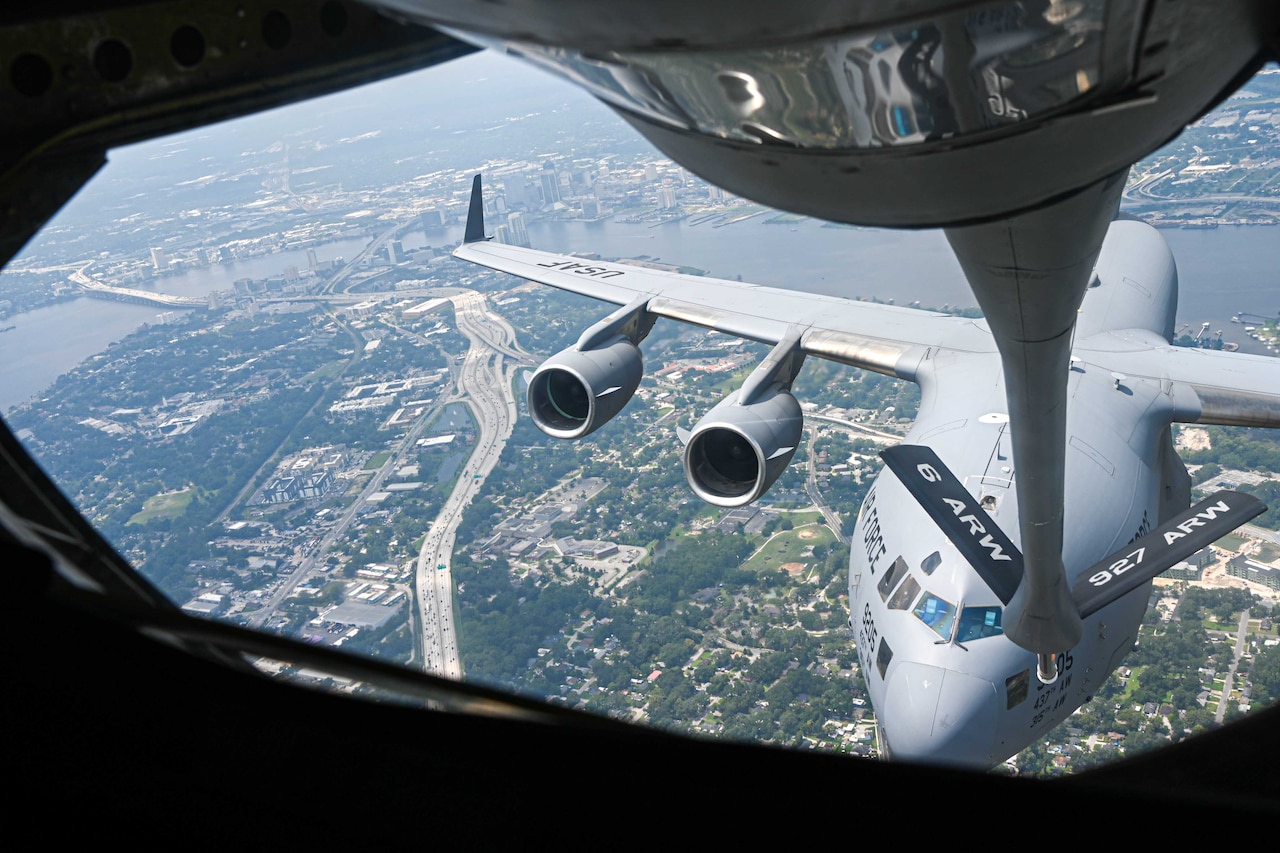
(1047,668)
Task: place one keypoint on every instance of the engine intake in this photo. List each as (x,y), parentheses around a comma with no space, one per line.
(575,392)
(736,452)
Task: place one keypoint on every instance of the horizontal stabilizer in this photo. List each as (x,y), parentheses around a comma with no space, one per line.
(1170,543)
(475,215)
(976,536)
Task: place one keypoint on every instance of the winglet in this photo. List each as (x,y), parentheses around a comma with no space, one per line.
(475,216)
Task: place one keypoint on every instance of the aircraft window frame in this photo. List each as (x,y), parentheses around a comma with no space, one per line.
(1017,688)
(905,595)
(903,579)
(938,619)
(884,656)
(891,578)
(987,626)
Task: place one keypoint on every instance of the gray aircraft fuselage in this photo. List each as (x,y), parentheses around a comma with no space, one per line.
(960,669)
(946,685)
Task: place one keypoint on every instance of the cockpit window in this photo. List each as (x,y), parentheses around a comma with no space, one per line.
(937,613)
(905,595)
(883,655)
(891,577)
(931,562)
(979,622)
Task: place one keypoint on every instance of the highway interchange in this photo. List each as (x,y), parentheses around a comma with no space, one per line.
(484,382)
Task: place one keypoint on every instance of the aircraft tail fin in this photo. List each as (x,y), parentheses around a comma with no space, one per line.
(974,533)
(1170,543)
(475,215)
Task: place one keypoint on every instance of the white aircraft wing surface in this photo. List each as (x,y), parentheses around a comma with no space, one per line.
(1208,386)
(882,338)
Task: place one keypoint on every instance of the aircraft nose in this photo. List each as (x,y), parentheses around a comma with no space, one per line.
(940,716)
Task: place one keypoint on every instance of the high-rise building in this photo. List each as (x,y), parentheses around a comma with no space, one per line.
(433,218)
(519,233)
(158,260)
(311,259)
(591,208)
(513,188)
(502,234)
(550,184)
(666,198)
(395,253)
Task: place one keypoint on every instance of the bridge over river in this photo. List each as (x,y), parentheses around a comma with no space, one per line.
(128,294)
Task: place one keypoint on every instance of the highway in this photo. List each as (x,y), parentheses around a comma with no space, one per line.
(355,264)
(484,382)
(1242,643)
(815,494)
(308,564)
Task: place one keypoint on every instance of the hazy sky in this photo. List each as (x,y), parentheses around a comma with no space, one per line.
(456,116)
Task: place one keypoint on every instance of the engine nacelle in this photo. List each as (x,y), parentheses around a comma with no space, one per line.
(736,452)
(575,392)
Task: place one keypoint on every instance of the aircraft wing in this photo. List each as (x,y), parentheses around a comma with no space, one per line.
(882,338)
(1207,386)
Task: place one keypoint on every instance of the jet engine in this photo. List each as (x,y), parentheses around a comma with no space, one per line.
(575,392)
(736,452)
(738,449)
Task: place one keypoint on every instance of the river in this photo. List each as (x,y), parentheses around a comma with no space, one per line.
(1222,271)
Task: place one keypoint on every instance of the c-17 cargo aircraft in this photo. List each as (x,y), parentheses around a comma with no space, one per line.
(931,565)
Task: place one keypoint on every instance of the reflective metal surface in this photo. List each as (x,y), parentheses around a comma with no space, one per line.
(953,75)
